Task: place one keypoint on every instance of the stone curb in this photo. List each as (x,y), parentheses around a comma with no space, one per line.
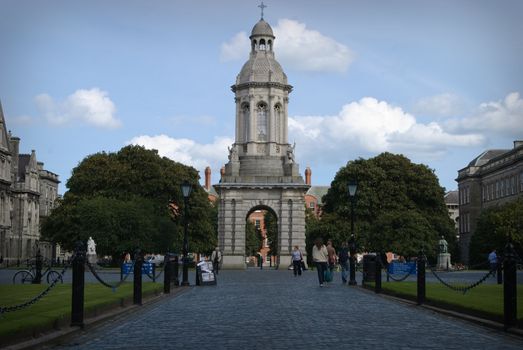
(54,337)
(473,319)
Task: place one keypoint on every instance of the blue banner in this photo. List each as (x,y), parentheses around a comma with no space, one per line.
(147,268)
(402,268)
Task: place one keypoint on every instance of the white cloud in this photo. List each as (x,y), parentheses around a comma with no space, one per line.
(236,49)
(187,151)
(501,117)
(444,105)
(373,126)
(22,120)
(92,107)
(296,47)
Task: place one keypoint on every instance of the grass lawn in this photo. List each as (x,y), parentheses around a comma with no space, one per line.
(55,308)
(485,300)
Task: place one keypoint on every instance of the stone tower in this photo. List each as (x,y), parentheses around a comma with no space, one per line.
(261,172)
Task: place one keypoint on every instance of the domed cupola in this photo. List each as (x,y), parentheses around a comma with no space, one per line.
(261,66)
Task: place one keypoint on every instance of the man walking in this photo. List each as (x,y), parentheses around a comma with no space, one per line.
(216,258)
(343,259)
(493,261)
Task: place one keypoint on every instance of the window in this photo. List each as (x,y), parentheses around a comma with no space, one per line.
(261,122)
(245,113)
(311,205)
(257,224)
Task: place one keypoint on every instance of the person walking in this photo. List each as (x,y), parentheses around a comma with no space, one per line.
(216,258)
(343,259)
(493,261)
(297,258)
(320,258)
(331,254)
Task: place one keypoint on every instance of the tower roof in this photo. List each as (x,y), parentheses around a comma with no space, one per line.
(262,68)
(262,28)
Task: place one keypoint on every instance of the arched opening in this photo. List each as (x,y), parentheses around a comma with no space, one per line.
(269,45)
(253,45)
(261,237)
(245,121)
(261,122)
(262,45)
(278,121)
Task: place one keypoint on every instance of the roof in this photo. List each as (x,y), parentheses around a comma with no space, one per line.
(262,28)
(451,197)
(318,192)
(262,67)
(486,156)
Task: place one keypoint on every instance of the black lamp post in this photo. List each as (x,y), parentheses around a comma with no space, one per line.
(353,187)
(186,191)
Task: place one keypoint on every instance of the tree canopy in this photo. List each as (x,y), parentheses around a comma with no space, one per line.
(121,200)
(399,207)
(495,226)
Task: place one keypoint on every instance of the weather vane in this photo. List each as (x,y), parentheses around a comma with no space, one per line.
(262,6)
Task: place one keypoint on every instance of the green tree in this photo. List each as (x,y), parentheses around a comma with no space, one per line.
(252,238)
(271,227)
(494,227)
(399,206)
(120,199)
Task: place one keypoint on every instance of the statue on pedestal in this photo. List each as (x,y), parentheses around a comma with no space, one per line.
(91,251)
(443,256)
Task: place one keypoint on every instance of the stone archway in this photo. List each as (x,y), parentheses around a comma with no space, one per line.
(264,221)
(237,200)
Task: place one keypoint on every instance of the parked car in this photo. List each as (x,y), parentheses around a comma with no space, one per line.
(155,259)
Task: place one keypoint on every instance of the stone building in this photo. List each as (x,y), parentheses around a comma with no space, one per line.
(452,203)
(262,173)
(493,178)
(27,195)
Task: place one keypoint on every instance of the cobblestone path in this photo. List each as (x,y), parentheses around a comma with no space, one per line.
(270,309)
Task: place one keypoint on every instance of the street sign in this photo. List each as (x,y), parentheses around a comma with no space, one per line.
(402,268)
(147,268)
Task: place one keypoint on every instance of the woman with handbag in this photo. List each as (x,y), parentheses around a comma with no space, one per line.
(320,258)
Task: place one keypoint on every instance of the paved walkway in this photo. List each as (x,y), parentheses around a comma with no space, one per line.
(270,309)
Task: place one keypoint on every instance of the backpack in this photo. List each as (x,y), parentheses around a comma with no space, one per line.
(344,255)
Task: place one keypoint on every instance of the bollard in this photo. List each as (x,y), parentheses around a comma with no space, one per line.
(377,283)
(38,268)
(77,304)
(174,273)
(167,274)
(421,278)
(198,271)
(499,273)
(137,288)
(154,271)
(509,287)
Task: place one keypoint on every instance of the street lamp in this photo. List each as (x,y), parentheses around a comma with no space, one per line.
(353,187)
(186,191)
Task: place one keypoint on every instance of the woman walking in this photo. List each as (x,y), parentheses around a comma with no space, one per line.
(320,258)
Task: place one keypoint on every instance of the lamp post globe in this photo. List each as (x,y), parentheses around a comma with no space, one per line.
(351,191)
(186,191)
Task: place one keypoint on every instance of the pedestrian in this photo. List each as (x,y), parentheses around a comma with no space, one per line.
(216,258)
(320,257)
(297,258)
(493,261)
(343,259)
(332,255)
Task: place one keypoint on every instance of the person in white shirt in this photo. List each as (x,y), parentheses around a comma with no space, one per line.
(320,257)
(216,258)
(297,257)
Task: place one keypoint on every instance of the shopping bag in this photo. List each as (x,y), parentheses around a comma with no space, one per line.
(327,275)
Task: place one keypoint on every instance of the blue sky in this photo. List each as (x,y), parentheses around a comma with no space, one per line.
(438,81)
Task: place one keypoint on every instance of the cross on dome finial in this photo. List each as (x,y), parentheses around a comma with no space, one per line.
(262,6)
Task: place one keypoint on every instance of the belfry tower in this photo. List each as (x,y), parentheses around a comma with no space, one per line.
(261,172)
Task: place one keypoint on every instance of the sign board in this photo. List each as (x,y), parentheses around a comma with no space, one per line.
(205,273)
(147,268)
(402,268)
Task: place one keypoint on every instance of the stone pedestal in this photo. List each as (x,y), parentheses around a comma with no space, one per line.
(443,261)
(92,258)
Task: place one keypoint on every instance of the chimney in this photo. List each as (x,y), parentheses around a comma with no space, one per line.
(518,143)
(308,176)
(208,178)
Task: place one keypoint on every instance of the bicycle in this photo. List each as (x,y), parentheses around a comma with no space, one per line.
(28,276)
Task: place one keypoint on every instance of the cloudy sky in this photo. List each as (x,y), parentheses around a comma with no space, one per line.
(438,81)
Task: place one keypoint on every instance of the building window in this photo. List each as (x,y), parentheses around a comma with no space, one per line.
(311,205)
(245,117)
(261,122)
(257,224)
